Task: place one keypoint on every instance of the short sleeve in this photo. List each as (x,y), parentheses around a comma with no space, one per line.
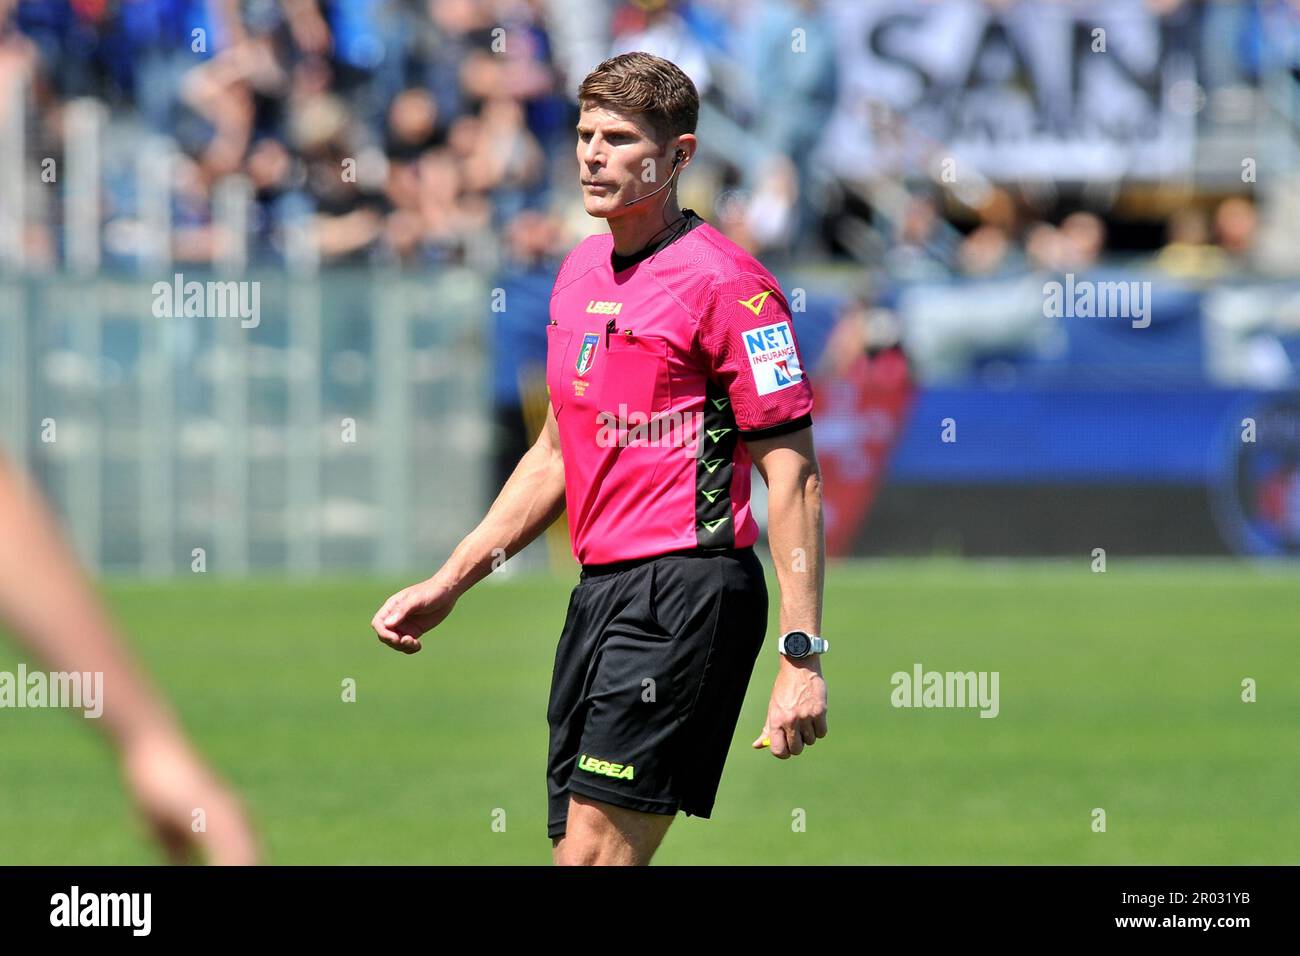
(747,338)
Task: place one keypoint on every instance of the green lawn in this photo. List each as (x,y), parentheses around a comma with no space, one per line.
(1119,690)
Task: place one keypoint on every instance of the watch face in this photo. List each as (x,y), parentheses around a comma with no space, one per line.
(797,644)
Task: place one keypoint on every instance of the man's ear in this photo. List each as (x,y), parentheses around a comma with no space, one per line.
(684,147)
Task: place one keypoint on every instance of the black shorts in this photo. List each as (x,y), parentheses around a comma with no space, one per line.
(650,673)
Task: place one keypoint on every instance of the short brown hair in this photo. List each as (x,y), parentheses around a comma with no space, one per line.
(648,85)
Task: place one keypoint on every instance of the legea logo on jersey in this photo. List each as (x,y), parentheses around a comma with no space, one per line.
(772,357)
(587,354)
(755,302)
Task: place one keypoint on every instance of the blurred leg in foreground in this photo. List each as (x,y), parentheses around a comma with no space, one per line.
(48,603)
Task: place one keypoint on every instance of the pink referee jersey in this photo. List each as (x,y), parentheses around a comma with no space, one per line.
(656,372)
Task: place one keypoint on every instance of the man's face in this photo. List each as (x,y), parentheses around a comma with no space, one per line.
(613,150)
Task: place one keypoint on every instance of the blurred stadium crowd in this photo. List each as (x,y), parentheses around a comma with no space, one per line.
(431,131)
(454,114)
(912,173)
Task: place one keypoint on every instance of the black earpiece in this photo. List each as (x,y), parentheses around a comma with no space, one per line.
(681,154)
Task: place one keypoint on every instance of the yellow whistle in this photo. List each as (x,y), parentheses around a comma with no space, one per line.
(765,742)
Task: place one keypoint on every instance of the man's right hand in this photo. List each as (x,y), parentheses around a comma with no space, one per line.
(531,500)
(412,611)
(169,782)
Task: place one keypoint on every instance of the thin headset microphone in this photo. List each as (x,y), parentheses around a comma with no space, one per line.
(676,159)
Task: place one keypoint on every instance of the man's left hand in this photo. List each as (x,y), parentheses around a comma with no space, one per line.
(796,714)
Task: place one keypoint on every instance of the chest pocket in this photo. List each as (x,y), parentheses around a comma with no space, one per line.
(557,349)
(635,375)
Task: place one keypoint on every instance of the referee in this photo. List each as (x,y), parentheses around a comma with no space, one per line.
(672,365)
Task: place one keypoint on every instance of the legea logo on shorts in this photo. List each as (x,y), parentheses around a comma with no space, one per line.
(605,768)
(772,357)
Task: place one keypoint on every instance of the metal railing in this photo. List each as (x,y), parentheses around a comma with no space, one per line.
(347,428)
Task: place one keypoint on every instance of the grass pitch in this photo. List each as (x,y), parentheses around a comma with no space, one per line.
(1120,691)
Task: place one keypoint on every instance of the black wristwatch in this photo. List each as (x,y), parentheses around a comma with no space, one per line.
(797,645)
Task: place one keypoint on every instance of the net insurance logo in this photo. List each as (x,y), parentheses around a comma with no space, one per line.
(772,357)
(1257,492)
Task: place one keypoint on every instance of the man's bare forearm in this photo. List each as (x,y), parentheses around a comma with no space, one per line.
(53,610)
(796,536)
(531,500)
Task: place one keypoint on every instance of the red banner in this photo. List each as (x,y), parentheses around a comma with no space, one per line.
(859,414)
